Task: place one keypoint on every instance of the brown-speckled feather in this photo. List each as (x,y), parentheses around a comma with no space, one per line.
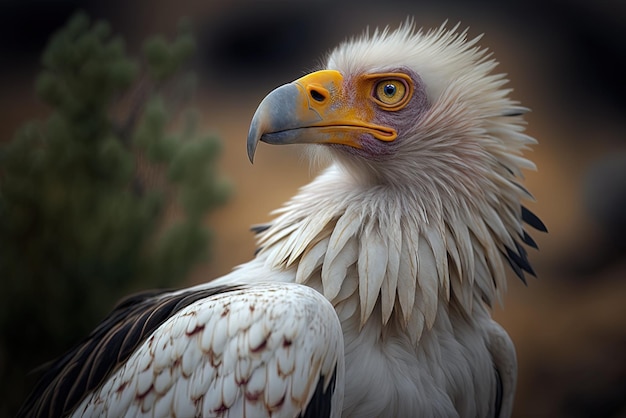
(84,368)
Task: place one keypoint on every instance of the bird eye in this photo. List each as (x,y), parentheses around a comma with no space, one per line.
(390,93)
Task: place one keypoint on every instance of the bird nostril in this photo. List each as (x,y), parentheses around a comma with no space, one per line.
(317,96)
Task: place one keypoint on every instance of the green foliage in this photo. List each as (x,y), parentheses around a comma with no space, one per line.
(164,57)
(93,206)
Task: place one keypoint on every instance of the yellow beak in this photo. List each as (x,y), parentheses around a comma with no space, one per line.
(314,109)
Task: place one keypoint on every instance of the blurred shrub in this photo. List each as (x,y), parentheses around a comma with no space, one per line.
(106,197)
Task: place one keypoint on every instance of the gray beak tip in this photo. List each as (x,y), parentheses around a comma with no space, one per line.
(275,113)
(251,156)
(253,141)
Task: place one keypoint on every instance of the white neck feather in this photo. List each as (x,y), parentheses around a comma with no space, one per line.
(402,251)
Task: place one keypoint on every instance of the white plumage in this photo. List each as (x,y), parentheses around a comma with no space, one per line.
(239,353)
(371,291)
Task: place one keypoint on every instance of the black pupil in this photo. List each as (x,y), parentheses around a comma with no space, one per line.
(389,90)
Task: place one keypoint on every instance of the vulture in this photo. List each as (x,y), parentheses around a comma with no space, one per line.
(371,291)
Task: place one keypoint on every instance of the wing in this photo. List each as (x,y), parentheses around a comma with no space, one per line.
(86,366)
(505,362)
(268,349)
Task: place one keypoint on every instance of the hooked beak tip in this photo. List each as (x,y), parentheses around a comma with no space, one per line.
(275,113)
(251,151)
(254,135)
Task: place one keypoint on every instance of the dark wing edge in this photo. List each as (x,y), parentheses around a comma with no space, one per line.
(320,405)
(518,257)
(504,360)
(87,365)
(257,230)
(499,393)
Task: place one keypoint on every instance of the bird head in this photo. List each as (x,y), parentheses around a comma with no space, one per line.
(403,106)
(362,114)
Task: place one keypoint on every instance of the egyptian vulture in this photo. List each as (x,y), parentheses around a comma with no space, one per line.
(371,291)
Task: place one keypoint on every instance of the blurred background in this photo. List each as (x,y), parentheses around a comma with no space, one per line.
(565,60)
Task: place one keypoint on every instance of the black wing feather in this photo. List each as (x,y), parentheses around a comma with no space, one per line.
(499,393)
(516,268)
(533,220)
(86,366)
(520,258)
(528,240)
(320,405)
(257,229)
